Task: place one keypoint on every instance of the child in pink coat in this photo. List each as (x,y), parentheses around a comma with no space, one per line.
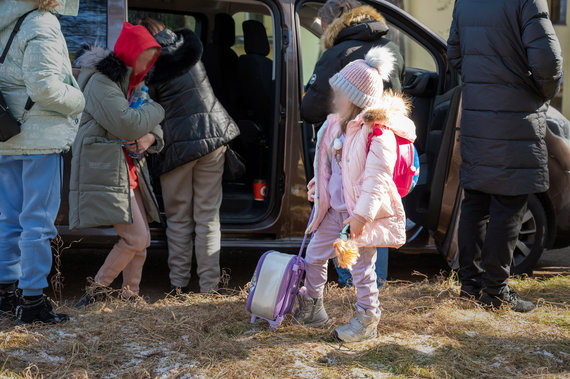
(354,185)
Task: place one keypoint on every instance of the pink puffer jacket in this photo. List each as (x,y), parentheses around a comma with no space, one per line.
(369,190)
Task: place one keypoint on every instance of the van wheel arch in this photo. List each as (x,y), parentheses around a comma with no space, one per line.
(533,238)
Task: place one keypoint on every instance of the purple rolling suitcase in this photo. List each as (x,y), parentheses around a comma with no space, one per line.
(275,285)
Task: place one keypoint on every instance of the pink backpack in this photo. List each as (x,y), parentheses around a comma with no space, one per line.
(407,168)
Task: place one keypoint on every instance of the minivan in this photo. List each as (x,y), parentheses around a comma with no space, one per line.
(278,147)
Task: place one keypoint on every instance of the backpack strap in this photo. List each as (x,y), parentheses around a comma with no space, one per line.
(376,132)
(29,102)
(14,32)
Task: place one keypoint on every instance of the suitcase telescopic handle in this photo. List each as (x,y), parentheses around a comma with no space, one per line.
(305,236)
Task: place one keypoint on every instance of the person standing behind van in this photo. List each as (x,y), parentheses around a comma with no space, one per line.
(510,61)
(110,183)
(37,65)
(351,29)
(196,130)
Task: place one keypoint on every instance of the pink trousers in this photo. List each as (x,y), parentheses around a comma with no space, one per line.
(129,253)
(320,250)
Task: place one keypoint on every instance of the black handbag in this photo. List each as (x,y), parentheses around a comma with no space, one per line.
(9,125)
(234,168)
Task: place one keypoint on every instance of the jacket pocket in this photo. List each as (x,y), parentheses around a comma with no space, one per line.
(102,163)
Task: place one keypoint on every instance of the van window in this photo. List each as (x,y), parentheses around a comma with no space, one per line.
(309,39)
(310,52)
(90,26)
(172,21)
(415,55)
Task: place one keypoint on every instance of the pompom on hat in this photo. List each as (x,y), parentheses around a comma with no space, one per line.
(362,80)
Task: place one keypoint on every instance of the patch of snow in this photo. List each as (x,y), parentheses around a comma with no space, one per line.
(305,371)
(170,366)
(133,362)
(471,334)
(358,372)
(62,334)
(549,355)
(426,349)
(423,344)
(34,357)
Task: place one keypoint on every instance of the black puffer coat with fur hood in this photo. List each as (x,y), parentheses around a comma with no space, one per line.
(196,123)
(347,39)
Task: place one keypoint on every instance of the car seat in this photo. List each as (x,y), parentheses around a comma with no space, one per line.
(255,72)
(221,63)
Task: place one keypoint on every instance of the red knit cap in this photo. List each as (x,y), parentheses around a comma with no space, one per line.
(133,40)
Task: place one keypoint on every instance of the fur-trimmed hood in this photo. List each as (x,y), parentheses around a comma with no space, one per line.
(181,50)
(96,58)
(363,23)
(394,114)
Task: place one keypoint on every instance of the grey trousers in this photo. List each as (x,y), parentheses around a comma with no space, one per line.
(192,196)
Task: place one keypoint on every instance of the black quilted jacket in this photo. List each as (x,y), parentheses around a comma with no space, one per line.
(196,123)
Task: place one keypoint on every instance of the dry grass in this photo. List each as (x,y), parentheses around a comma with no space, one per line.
(425,332)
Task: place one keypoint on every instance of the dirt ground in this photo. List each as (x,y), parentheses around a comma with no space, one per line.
(426,331)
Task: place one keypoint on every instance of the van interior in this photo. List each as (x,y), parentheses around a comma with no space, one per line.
(239,45)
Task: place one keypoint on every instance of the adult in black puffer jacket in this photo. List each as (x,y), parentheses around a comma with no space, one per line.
(196,123)
(510,60)
(196,130)
(347,38)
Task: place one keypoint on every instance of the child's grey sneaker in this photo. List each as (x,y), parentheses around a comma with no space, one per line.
(310,312)
(363,326)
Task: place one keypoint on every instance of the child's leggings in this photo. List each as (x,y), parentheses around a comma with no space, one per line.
(129,253)
(321,249)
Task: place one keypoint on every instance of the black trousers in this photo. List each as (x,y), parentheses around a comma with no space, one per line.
(488,232)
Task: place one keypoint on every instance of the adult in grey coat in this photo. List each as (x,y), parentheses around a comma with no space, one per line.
(510,61)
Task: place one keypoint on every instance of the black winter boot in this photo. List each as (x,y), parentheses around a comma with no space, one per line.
(94,293)
(9,300)
(509,298)
(39,310)
(470,293)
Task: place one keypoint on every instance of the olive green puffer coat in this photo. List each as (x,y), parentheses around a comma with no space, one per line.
(99,186)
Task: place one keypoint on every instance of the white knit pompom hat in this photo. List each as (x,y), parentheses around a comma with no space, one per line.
(362,80)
